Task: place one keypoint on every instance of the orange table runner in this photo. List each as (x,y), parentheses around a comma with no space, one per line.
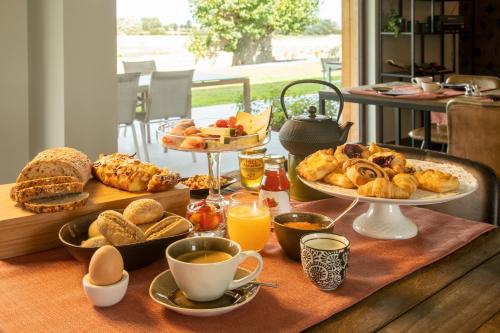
(43,292)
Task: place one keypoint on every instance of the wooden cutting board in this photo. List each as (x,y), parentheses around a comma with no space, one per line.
(23,232)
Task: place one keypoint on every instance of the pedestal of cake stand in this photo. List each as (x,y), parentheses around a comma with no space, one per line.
(385,221)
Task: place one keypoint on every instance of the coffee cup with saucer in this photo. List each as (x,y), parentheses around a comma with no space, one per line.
(419,80)
(434,87)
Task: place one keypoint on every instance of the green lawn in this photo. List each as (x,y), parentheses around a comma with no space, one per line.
(234,93)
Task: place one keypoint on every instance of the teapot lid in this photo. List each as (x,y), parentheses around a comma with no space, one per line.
(312,116)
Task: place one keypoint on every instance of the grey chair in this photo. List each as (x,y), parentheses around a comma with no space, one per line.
(482,205)
(330,65)
(127,93)
(169,97)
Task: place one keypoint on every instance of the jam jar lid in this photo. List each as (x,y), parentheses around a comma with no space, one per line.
(274,159)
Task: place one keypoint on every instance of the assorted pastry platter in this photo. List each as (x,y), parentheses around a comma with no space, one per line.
(385,179)
(198,184)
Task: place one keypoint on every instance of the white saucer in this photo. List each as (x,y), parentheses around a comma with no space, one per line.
(163,290)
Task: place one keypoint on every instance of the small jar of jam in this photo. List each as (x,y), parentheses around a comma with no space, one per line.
(274,186)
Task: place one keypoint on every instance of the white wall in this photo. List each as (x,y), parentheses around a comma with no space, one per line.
(58,79)
(90,76)
(14,141)
(46,72)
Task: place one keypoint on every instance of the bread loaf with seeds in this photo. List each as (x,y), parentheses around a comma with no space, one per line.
(53,162)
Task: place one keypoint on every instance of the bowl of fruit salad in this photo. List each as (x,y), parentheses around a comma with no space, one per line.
(240,132)
(207,218)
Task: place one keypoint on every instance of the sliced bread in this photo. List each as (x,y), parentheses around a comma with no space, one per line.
(45,191)
(57,203)
(54,162)
(40,182)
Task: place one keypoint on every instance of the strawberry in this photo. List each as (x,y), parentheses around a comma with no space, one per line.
(239,130)
(221,123)
(232,122)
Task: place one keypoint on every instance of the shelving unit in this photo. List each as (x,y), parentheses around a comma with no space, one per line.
(417,41)
(414,37)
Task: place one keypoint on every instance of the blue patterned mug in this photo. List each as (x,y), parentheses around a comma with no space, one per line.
(325,258)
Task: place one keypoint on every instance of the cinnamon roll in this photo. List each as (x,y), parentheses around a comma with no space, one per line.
(361,171)
(351,150)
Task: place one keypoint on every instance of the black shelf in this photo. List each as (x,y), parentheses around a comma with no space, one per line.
(418,39)
(406,33)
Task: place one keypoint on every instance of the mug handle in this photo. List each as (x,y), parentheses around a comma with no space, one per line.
(413,80)
(243,256)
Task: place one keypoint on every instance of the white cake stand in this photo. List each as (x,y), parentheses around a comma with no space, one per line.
(384,219)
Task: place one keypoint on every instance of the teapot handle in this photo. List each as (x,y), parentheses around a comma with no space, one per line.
(325,83)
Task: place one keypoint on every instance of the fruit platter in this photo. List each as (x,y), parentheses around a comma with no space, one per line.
(239,132)
(215,136)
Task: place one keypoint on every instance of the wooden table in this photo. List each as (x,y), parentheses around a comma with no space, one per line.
(201,79)
(426,106)
(459,293)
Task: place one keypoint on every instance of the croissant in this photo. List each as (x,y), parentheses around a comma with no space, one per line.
(436,181)
(361,171)
(392,162)
(406,182)
(351,150)
(338,179)
(382,188)
(318,165)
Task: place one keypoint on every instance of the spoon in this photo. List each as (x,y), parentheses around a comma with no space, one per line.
(265,284)
(347,210)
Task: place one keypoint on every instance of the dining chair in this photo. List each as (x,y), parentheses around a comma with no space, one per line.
(128,85)
(143,67)
(481,205)
(473,131)
(328,66)
(169,97)
(439,127)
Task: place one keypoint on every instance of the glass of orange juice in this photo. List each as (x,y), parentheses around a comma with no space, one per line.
(248,221)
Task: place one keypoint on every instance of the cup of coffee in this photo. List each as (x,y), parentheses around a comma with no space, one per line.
(431,86)
(325,258)
(419,80)
(204,267)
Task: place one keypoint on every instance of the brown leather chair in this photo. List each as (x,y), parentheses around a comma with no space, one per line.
(438,133)
(482,205)
(484,82)
(473,131)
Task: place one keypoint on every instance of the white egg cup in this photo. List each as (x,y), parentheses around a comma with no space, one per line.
(104,296)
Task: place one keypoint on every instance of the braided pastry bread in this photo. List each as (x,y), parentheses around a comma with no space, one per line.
(318,165)
(351,150)
(382,188)
(436,181)
(130,174)
(361,171)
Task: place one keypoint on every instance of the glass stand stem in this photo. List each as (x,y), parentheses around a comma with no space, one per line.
(214,194)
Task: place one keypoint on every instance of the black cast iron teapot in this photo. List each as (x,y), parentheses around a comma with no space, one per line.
(307,133)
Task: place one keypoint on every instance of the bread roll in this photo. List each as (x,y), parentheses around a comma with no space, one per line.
(143,211)
(117,229)
(55,162)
